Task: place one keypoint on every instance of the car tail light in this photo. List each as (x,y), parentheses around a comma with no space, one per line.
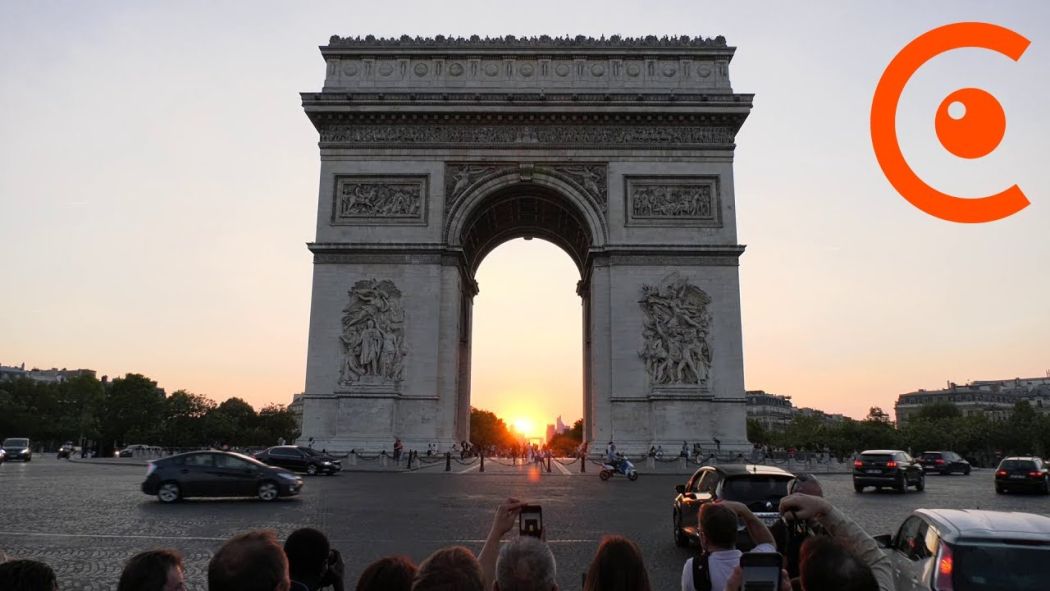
(858,464)
(1000,473)
(150,467)
(942,580)
(938,461)
(1035,474)
(891,464)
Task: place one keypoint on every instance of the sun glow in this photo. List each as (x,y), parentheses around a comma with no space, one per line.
(523,426)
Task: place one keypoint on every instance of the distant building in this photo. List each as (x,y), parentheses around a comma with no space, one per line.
(296,408)
(772,411)
(559,427)
(992,398)
(44,376)
(823,416)
(551,431)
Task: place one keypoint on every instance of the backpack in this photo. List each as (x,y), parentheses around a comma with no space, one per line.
(702,572)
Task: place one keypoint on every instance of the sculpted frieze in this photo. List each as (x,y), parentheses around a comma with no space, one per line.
(536,42)
(379,199)
(539,136)
(591,180)
(676,328)
(373,335)
(688,200)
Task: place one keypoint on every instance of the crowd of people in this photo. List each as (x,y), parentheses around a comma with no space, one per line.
(821,550)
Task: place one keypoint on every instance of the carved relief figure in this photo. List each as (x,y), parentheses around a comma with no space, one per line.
(373,334)
(671,201)
(676,327)
(378,199)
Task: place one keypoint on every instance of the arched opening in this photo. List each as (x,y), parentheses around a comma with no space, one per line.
(525,347)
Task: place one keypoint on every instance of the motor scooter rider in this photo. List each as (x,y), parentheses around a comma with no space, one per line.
(612,457)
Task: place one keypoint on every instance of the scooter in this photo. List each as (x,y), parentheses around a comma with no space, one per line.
(624,466)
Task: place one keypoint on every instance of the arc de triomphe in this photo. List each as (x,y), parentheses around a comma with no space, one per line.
(436,151)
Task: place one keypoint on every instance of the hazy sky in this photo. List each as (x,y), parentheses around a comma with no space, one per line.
(158,181)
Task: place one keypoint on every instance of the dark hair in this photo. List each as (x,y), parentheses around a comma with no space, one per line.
(449,569)
(617,566)
(253,561)
(307,551)
(393,572)
(718,524)
(827,565)
(27,575)
(148,571)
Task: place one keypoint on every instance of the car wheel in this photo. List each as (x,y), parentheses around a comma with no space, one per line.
(998,490)
(311,470)
(966,471)
(921,484)
(858,487)
(169,492)
(268,491)
(604,474)
(902,484)
(680,539)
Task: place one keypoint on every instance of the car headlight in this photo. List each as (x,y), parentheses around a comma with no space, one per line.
(291,477)
(326,463)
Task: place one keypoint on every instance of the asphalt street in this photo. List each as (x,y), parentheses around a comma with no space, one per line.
(85,520)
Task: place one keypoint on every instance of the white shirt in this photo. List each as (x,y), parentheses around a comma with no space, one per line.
(721,565)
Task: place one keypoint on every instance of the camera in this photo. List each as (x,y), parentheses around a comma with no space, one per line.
(530,521)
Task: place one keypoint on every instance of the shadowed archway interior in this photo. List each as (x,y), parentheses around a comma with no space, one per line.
(525,211)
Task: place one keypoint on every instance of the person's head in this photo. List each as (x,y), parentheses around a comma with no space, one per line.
(526,564)
(617,566)
(827,566)
(307,551)
(449,569)
(806,484)
(393,573)
(153,570)
(718,526)
(253,561)
(27,575)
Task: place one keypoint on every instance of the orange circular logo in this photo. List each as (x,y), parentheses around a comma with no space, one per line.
(972,134)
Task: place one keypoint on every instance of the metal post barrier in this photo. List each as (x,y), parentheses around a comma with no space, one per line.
(548,463)
(482,468)
(382,459)
(448,461)
(682,462)
(353,458)
(583,463)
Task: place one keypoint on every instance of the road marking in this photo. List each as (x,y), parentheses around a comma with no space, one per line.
(561,468)
(211,539)
(469,469)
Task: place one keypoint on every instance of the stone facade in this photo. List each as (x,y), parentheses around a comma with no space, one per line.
(436,151)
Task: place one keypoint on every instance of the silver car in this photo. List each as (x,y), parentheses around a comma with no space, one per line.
(965,550)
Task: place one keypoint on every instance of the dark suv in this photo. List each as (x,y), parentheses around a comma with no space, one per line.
(887,467)
(944,462)
(300,459)
(17,448)
(1026,473)
(758,487)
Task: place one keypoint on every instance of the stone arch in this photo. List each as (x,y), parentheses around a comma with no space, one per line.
(550,194)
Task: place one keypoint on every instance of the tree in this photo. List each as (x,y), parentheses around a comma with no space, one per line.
(232,423)
(756,433)
(486,429)
(876,414)
(184,414)
(276,422)
(134,410)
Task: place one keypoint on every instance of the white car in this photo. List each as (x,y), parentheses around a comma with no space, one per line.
(963,550)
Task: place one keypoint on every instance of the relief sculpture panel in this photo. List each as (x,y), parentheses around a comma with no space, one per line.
(676,329)
(379,199)
(679,201)
(373,335)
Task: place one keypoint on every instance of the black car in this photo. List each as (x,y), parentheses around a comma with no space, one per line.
(1029,474)
(887,467)
(217,474)
(300,459)
(758,487)
(944,462)
(17,448)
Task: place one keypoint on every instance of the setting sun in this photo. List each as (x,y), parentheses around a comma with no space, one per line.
(523,426)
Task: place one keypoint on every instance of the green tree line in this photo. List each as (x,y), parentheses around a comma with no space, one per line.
(934,427)
(131,410)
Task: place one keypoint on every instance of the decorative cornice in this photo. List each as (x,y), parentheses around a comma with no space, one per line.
(536,42)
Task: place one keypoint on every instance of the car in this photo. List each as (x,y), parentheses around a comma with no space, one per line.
(970,549)
(66,450)
(300,459)
(758,487)
(944,462)
(1022,473)
(17,448)
(217,474)
(887,467)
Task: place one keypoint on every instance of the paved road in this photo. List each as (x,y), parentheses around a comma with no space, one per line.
(86,519)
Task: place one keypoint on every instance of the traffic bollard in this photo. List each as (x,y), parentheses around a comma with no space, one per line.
(448,461)
(482,469)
